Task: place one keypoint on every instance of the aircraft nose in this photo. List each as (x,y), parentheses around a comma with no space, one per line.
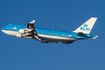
(3,29)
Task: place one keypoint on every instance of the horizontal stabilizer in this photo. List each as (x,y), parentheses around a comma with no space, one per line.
(95,37)
(81,34)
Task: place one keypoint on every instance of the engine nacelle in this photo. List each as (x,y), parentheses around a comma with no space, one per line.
(18,35)
(22,31)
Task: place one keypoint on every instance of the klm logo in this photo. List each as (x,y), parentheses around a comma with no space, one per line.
(85,27)
(14,28)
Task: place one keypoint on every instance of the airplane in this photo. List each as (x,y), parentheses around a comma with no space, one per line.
(50,36)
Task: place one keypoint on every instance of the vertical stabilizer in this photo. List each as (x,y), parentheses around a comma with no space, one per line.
(87,26)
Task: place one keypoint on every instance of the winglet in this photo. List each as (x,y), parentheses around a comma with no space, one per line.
(30,25)
(33,21)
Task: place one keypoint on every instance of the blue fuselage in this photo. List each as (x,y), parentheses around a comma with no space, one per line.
(56,33)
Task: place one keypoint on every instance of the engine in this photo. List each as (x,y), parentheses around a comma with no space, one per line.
(22,31)
(18,35)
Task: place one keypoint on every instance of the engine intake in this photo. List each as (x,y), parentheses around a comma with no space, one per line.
(18,35)
(22,31)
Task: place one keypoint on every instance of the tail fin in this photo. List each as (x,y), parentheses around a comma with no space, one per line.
(87,26)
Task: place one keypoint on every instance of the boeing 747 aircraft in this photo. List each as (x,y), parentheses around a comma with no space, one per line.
(50,36)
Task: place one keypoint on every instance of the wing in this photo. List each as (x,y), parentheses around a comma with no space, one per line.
(30,25)
(30,31)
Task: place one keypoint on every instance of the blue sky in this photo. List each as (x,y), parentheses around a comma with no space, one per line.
(65,15)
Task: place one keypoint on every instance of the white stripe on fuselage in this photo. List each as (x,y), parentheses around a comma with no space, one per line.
(13,33)
(56,37)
